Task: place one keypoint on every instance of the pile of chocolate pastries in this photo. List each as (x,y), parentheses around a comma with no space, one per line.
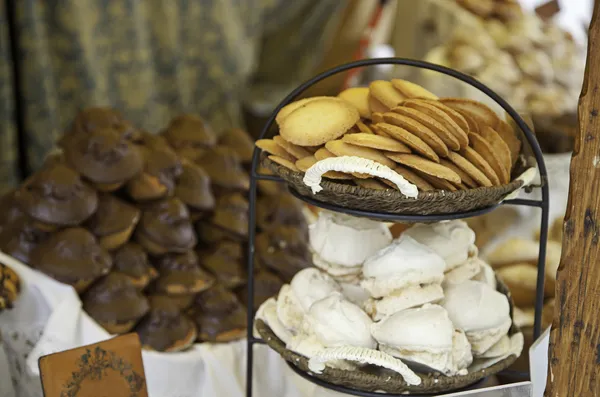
(151,229)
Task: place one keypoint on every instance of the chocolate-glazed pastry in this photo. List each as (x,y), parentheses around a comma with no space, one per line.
(166,227)
(19,237)
(96,118)
(225,169)
(210,234)
(225,261)
(161,168)
(56,196)
(132,261)
(113,222)
(193,189)
(165,328)
(105,157)
(72,256)
(283,250)
(115,303)
(190,136)
(181,274)
(266,285)
(284,210)
(231,214)
(219,315)
(241,142)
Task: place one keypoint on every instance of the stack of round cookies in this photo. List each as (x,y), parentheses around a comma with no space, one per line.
(391,133)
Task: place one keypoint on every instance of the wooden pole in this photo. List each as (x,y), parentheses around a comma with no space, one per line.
(574,356)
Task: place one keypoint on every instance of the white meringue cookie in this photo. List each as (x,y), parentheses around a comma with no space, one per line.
(310,285)
(404,262)
(452,240)
(336,271)
(406,298)
(467,271)
(289,310)
(345,240)
(355,293)
(269,316)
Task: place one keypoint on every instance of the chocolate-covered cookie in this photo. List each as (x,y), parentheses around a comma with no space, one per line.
(115,303)
(132,261)
(19,237)
(92,119)
(72,256)
(113,222)
(225,170)
(225,261)
(231,214)
(181,274)
(283,210)
(165,328)
(166,227)
(190,136)
(193,189)
(241,143)
(56,196)
(283,250)
(105,157)
(219,316)
(266,285)
(209,234)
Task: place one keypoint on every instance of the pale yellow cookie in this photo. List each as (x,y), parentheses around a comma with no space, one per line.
(486,151)
(453,114)
(271,147)
(323,154)
(474,108)
(376,106)
(413,178)
(412,90)
(498,145)
(409,139)
(370,184)
(297,151)
(482,164)
(376,142)
(359,98)
(470,169)
(284,162)
(377,118)
(440,130)
(287,109)
(464,177)
(471,122)
(426,166)
(379,131)
(307,162)
(509,136)
(418,129)
(439,183)
(318,121)
(385,93)
(340,148)
(362,127)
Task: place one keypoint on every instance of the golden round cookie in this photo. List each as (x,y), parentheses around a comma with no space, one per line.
(318,121)
(359,98)
(509,135)
(377,118)
(271,147)
(284,162)
(312,149)
(289,108)
(370,184)
(418,129)
(379,131)
(295,150)
(385,93)
(470,169)
(376,142)
(474,108)
(475,158)
(464,177)
(412,90)
(323,154)
(410,140)
(307,162)
(360,175)
(425,166)
(439,184)
(413,178)
(376,106)
(486,151)
(362,127)
(440,130)
(340,148)
(498,145)
(444,118)
(454,115)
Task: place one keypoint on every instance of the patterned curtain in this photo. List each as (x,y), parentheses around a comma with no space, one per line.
(152,59)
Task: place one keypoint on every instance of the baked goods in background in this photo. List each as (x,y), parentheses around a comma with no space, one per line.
(10,287)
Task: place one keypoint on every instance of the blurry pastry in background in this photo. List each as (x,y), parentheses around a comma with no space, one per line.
(231,214)
(20,237)
(219,316)
(492,224)
(285,210)
(56,196)
(190,136)
(132,261)
(548,313)
(181,274)
(268,188)
(114,222)
(241,142)
(225,170)
(226,263)
(104,157)
(209,234)
(266,285)
(72,256)
(162,167)
(92,119)
(193,189)
(513,250)
(283,250)
(115,303)
(521,280)
(166,227)
(9,210)
(165,328)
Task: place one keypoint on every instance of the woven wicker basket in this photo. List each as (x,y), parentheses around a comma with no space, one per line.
(378,379)
(392,201)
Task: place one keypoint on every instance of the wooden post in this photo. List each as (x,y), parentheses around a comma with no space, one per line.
(574,357)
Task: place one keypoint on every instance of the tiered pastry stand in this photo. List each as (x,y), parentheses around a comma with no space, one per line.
(387,217)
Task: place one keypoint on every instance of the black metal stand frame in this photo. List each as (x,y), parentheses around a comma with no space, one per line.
(254,177)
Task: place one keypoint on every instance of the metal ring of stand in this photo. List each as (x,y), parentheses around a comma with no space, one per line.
(254,177)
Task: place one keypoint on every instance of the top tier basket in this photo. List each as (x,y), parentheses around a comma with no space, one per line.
(339,196)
